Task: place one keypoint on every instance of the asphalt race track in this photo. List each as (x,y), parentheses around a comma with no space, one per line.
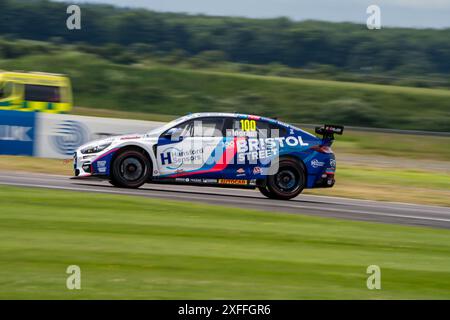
(363,210)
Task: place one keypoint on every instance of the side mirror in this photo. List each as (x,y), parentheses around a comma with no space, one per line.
(173,134)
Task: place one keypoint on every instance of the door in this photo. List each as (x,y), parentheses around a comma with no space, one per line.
(256,146)
(192,149)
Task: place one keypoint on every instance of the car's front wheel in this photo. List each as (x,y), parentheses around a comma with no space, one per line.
(287,183)
(130,169)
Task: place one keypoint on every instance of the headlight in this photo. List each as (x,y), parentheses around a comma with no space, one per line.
(95,149)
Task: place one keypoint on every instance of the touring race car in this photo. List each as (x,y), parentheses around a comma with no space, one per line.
(216,149)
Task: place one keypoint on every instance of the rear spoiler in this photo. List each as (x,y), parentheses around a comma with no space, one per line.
(329,130)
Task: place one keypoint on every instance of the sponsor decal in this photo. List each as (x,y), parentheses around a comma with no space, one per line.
(174,158)
(257,144)
(254,149)
(209,180)
(196,180)
(241,133)
(101,164)
(332,162)
(316,163)
(240,172)
(257,170)
(233,182)
(252,182)
(130,138)
(101,170)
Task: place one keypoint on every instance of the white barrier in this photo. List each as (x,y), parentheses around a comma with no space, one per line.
(59,135)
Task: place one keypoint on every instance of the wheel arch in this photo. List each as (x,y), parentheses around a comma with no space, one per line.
(135,148)
(297,159)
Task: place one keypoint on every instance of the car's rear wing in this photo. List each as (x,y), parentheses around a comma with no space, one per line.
(328,131)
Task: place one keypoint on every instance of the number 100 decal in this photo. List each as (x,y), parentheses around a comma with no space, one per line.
(248,125)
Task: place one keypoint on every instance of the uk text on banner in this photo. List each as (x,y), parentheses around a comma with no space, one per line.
(17,132)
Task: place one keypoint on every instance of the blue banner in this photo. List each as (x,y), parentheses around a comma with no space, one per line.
(17,132)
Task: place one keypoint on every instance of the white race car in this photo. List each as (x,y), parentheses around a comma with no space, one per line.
(216,149)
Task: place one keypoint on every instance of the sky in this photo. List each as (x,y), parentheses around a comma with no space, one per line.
(401,13)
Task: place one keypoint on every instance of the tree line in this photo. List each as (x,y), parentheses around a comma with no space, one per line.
(337,47)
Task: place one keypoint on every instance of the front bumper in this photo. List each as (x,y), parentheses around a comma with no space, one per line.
(82,165)
(97,164)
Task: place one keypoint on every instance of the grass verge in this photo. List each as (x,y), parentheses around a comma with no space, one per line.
(131,247)
(390,184)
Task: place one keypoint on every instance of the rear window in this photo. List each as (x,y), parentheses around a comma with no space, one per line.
(42,93)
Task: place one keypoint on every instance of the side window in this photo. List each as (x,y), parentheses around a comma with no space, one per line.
(208,127)
(263,130)
(269,130)
(182,130)
(42,93)
(203,127)
(255,129)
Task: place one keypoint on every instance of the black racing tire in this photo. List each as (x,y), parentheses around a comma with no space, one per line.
(265,191)
(289,180)
(113,182)
(130,169)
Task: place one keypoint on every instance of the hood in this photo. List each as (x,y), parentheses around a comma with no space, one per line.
(113,139)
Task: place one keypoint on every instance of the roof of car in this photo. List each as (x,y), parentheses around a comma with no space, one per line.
(229,115)
(212,114)
(239,115)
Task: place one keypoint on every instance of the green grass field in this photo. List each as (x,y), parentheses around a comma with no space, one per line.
(175,90)
(131,247)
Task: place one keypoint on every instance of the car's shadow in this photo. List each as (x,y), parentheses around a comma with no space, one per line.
(255,196)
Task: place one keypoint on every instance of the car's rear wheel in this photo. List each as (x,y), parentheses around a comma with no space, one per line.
(265,191)
(130,169)
(114,183)
(287,183)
